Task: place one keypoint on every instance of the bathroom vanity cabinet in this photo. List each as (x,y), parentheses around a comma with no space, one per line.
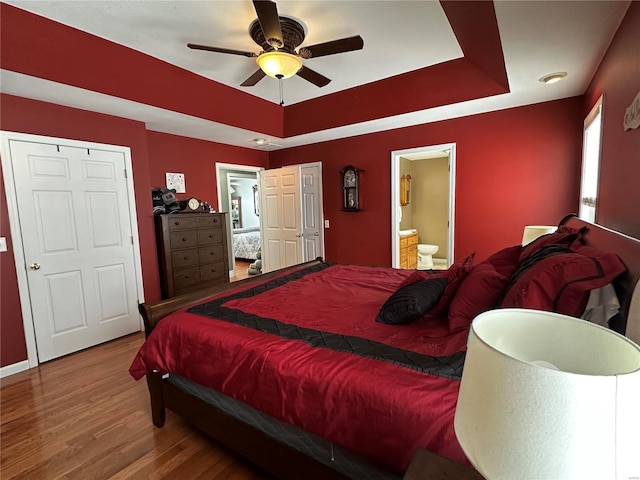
(409,251)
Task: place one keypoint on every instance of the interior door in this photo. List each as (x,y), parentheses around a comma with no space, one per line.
(312,228)
(280,218)
(77,240)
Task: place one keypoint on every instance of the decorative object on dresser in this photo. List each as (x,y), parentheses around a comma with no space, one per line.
(350,189)
(545,395)
(409,249)
(192,252)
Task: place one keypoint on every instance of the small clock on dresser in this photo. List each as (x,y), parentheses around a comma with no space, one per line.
(350,189)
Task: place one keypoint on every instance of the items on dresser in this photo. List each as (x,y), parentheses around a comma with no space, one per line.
(409,250)
(192,251)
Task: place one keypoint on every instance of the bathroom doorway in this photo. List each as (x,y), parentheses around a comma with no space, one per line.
(424,179)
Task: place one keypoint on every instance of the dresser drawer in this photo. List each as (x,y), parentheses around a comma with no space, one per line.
(185,258)
(209,236)
(182,221)
(183,239)
(186,277)
(213,271)
(214,253)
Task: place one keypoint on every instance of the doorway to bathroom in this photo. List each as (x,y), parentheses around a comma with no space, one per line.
(423,200)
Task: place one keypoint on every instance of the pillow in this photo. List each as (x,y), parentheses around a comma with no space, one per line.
(480,291)
(419,275)
(505,261)
(454,275)
(562,236)
(412,301)
(602,306)
(557,279)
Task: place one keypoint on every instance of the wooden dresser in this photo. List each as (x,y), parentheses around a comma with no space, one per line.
(409,251)
(192,251)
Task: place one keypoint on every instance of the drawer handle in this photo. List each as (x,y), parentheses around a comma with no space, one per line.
(185,257)
(187,276)
(184,239)
(213,270)
(210,236)
(215,220)
(176,223)
(211,253)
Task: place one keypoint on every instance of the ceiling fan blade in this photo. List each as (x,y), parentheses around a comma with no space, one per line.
(335,46)
(253,79)
(269,22)
(313,76)
(220,50)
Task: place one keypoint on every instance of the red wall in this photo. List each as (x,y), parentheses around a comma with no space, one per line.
(618,78)
(514,167)
(196,159)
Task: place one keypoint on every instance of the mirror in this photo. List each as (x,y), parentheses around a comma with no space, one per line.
(236,212)
(405,187)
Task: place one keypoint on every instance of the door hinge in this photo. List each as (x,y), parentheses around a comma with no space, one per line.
(132,240)
(125,173)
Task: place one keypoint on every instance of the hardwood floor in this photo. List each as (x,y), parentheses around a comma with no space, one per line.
(82,417)
(242,271)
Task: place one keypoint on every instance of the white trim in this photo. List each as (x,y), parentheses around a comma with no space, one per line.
(16,229)
(395,182)
(14,368)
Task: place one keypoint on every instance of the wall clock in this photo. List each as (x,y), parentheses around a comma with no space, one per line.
(350,189)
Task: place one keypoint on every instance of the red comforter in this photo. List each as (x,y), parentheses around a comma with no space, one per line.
(376,408)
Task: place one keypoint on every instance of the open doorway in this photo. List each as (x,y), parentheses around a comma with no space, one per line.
(236,196)
(423,203)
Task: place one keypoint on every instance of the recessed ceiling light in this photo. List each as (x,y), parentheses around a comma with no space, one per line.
(260,141)
(553,77)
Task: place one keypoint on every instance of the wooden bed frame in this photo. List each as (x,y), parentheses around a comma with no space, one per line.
(285,462)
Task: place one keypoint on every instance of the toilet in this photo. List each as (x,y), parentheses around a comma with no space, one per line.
(425,256)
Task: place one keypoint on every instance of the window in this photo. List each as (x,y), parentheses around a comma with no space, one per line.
(591,163)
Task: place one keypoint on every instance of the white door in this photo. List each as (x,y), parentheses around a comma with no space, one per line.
(73,209)
(280,218)
(312,228)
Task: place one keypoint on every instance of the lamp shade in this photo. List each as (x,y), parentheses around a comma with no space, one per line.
(279,64)
(547,396)
(531,232)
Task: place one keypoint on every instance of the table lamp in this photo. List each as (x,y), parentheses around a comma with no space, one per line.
(545,396)
(531,232)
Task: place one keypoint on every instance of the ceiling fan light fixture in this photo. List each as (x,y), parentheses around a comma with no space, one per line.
(279,64)
(553,78)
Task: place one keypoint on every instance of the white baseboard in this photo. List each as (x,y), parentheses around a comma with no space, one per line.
(14,368)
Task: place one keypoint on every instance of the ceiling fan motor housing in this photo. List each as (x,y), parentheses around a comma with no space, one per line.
(292,35)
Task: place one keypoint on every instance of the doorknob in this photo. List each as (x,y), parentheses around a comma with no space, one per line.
(35,266)
(298,234)
(316,234)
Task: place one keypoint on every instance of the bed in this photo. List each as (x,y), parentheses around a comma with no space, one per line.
(246,243)
(310,388)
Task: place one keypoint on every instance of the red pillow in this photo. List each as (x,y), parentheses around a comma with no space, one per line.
(480,291)
(454,274)
(562,236)
(561,282)
(505,261)
(420,275)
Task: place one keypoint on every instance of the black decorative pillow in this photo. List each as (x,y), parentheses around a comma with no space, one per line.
(412,301)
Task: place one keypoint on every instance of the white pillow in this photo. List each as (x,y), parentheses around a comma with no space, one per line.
(603,304)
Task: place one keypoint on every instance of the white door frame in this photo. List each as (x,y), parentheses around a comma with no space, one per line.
(16,229)
(240,168)
(395,195)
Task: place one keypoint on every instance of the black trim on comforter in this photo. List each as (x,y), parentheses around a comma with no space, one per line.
(446,366)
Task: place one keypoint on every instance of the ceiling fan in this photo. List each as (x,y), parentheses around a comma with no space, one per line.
(279,37)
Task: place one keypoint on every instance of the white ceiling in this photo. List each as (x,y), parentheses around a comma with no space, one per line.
(538,37)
